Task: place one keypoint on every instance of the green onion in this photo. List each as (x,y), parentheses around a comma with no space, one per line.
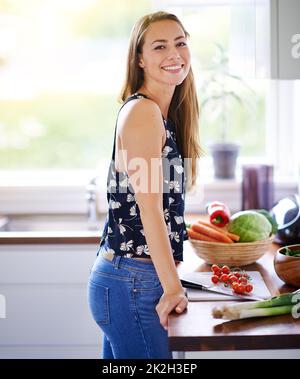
(277,305)
(259,312)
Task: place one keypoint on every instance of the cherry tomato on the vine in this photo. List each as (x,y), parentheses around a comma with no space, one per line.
(242,288)
(243,280)
(249,288)
(225,270)
(233,278)
(236,279)
(224,278)
(235,286)
(215,268)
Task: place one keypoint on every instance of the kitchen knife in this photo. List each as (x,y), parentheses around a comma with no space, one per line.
(189,284)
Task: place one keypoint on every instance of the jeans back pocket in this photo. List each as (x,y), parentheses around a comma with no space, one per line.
(98,302)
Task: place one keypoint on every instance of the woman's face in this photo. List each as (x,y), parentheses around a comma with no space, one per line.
(165,55)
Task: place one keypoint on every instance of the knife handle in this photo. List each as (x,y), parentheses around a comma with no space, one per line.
(191,285)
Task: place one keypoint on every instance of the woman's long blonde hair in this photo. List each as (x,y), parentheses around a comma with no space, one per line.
(184,108)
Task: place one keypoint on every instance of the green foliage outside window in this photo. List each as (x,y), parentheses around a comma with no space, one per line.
(58,128)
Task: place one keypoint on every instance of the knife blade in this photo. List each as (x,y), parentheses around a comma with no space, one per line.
(189,284)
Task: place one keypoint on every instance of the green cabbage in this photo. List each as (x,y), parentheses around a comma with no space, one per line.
(272,220)
(250,226)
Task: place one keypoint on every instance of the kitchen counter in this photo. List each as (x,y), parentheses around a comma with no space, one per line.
(27,238)
(50,229)
(54,229)
(197,330)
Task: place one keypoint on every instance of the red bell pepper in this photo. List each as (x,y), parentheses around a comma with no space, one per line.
(219,213)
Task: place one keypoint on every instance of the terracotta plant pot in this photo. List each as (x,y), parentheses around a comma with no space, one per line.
(224,159)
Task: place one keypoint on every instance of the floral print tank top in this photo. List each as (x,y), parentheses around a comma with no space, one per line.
(123,231)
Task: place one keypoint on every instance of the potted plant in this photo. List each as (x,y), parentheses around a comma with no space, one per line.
(217,92)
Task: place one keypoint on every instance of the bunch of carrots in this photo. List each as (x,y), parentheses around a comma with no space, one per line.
(204,231)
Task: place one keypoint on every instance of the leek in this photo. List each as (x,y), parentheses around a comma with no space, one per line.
(230,314)
(277,305)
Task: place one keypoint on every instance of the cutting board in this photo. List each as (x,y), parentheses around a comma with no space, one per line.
(259,287)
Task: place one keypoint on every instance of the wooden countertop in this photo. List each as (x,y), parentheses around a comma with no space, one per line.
(197,330)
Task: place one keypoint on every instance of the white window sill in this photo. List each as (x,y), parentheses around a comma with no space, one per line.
(64,192)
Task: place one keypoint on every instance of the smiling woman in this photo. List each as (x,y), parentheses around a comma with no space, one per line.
(158,64)
(144,229)
(170,55)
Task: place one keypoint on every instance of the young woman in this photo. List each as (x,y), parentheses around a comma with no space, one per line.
(134,284)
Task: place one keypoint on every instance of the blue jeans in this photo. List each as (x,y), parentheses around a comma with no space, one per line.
(122,296)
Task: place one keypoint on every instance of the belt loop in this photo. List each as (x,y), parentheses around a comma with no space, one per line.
(117,259)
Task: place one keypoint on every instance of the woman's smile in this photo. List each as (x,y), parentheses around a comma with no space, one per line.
(173,69)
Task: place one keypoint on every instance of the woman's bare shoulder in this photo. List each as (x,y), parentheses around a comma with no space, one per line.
(139,113)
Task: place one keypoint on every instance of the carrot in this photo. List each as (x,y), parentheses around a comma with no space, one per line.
(234,237)
(210,232)
(199,236)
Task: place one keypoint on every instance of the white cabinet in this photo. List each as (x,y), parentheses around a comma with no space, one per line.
(285,33)
(265,39)
(45,292)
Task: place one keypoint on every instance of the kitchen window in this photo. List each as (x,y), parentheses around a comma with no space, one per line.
(58,101)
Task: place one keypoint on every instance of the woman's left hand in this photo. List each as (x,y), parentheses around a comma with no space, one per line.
(169,302)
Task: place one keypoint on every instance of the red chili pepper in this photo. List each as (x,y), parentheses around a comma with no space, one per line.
(219,213)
